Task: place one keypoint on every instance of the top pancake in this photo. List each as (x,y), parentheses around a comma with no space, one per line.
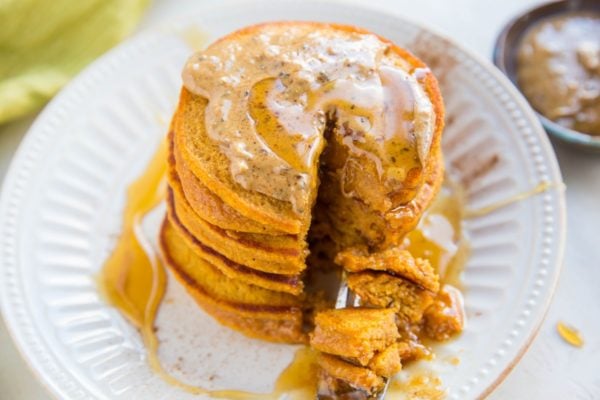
(204,158)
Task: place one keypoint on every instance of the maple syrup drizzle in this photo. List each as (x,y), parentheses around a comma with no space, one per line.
(439,237)
(540,188)
(298,381)
(418,385)
(569,334)
(133,279)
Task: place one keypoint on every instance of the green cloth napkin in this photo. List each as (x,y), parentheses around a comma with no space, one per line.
(43,43)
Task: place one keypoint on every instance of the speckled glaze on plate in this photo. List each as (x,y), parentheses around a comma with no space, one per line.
(61,205)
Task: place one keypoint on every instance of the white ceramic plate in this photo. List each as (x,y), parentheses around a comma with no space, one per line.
(62,201)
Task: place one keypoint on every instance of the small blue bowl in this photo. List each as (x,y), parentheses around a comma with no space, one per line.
(505,58)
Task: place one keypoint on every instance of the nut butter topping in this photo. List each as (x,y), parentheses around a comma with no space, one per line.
(558,69)
(272,93)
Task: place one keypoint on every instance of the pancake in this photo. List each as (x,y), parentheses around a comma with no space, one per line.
(387,362)
(356,333)
(255,311)
(283,283)
(360,377)
(353,222)
(380,289)
(269,253)
(253,253)
(272,254)
(216,283)
(209,161)
(358,346)
(204,158)
(208,205)
(395,261)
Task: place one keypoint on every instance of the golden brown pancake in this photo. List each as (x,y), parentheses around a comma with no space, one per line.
(272,254)
(360,377)
(208,205)
(357,333)
(282,283)
(204,158)
(396,261)
(380,289)
(256,311)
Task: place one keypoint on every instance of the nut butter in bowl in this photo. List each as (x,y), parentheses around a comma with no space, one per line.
(552,53)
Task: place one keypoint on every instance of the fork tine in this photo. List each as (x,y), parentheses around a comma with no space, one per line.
(381,394)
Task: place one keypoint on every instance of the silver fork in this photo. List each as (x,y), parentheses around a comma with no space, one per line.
(347,298)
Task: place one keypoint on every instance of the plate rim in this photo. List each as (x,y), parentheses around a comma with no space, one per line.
(23,155)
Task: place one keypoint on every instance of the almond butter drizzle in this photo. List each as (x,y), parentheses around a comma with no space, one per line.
(271,93)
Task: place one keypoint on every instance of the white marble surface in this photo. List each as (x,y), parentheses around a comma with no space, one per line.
(551,369)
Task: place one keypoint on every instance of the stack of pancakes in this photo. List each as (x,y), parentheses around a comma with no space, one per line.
(243,254)
(244,273)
